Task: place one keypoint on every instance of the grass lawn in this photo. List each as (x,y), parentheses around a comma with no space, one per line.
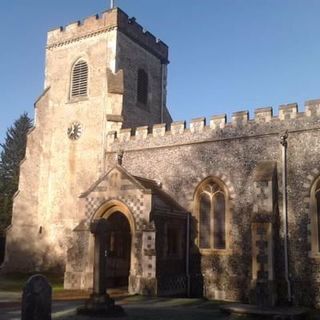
(14,282)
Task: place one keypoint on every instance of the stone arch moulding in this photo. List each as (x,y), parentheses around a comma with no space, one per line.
(112,206)
(83,57)
(105,210)
(312,179)
(229,192)
(213,174)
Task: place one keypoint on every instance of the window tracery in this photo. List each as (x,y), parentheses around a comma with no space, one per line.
(211,207)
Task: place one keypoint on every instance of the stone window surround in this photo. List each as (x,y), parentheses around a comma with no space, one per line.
(309,188)
(196,211)
(74,99)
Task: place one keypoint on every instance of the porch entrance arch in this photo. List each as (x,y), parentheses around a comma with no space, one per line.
(119,234)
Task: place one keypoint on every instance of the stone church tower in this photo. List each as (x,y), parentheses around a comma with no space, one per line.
(101,74)
(225,209)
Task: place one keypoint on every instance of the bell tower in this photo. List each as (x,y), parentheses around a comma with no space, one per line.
(126,68)
(101,74)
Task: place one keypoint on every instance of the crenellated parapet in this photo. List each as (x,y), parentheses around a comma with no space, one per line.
(108,20)
(263,114)
(288,111)
(240,118)
(218,128)
(312,108)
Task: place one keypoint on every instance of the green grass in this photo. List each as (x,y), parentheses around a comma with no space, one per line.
(15,281)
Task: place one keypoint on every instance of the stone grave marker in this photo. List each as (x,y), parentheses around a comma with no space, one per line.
(36,299)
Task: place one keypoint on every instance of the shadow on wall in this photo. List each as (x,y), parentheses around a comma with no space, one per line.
(219,275)
(222,275)
(196,277)
(303,270)
(30,251)
(2,248)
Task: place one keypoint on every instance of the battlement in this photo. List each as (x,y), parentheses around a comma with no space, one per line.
(108,20)
(241,125)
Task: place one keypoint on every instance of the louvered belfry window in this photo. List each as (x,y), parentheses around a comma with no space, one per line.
(142,89)
(79,79)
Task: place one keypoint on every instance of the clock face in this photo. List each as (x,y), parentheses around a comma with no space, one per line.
(74,131)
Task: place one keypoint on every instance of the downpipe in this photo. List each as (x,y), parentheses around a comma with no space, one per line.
(284,144)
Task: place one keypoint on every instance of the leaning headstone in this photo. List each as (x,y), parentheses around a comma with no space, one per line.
(36,299)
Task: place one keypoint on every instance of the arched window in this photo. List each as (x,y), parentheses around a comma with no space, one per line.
(315,217)
(79,83)
(211,212)
(142,87)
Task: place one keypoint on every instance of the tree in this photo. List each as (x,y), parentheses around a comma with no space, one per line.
(13,152)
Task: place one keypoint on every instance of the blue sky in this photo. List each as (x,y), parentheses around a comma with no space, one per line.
(226,55)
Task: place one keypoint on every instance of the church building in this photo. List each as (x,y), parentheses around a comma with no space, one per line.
(228,210)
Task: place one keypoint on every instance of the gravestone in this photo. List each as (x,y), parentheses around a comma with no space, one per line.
(36,299)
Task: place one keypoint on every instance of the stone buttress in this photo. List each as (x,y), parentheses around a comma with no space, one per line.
(263,231)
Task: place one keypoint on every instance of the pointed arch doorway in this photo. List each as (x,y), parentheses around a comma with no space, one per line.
(119,239)
(118,249)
